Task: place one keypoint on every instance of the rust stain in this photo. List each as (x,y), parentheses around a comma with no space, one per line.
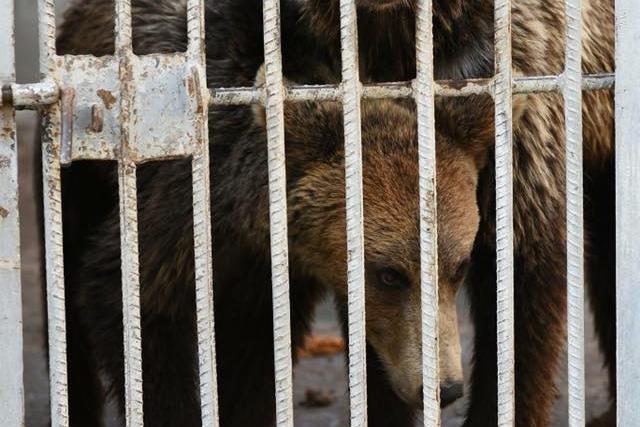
(190,87)
(107,97)
(4,162)
(3,212)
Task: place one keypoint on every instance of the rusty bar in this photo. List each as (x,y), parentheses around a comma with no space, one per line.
(202,220)
(123,29)
(442,88)
(33,95)
(11,373)
(30,95)
(274,106)
(129,220)
(352,90)
(572,93)
(97,119)
(130,293)
(67,101)
(53,226)
(504,214)
(424,94)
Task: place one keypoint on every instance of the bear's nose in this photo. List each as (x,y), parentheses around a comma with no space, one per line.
(450,392)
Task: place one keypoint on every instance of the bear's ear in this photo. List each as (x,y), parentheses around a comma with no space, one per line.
(470,122)
(314,127)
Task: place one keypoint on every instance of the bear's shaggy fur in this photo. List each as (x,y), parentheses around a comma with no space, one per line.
(463,33)
(463,48)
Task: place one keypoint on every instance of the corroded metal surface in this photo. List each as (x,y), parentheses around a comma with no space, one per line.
(128,194)
(202,218)
(424,92)
(32,95)
(11,383)
(53,227)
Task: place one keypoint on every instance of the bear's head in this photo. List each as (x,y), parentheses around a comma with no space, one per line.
(317,222)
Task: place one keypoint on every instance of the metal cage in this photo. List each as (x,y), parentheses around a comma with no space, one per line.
(67,97)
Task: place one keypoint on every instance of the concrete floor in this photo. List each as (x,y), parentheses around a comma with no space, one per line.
(324,373)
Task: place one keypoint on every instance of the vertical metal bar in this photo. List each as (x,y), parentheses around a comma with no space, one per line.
(352,91)
(53,227)
(572,91)
(11,375)
(130,293)
(129,223)
(428,212)
(504,214)
(627,208)
(202,223)
(123,30)
(278,213)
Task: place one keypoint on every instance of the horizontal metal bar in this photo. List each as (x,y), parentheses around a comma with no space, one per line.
(442,88)
(32,95)
(590,82)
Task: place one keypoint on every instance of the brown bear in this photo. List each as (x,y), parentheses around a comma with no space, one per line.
(463,49)
(314,145)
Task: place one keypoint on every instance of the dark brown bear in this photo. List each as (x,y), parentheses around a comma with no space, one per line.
(463,48)
(463,41)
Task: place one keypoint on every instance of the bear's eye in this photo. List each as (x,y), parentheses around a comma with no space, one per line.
(462,270)
(391,278)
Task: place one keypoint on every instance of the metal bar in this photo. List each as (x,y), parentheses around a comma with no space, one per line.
(53,226)
(424,95)
(575,221)
(504,214)
(130,293)
(55,269)
(11,374)
(627,207)
(274,105)
(129,222)
(352,90)
(123,29)
(33,95)
(590,82)
(202,222)
(442,88)
(204,286)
